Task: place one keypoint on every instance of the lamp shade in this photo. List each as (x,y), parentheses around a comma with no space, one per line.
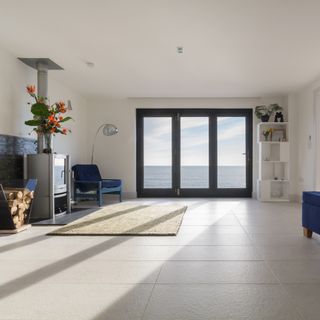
(109,129)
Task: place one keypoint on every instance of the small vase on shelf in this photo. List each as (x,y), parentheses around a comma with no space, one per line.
(265,118)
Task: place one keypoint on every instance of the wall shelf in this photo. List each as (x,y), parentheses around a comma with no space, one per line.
(274,161)
(272,123)
(273,180)
(273,142)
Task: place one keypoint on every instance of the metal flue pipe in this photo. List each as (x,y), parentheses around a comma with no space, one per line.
(42,72)
(42,75)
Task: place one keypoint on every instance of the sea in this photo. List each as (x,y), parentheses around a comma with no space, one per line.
(194,177)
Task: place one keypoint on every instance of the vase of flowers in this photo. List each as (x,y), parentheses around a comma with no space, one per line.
(47,120)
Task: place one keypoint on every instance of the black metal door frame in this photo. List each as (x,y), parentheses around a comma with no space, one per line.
(175,115)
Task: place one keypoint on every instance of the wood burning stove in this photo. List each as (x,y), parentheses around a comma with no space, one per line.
(53,193)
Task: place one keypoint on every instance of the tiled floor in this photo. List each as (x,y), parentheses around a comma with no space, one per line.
(232,259)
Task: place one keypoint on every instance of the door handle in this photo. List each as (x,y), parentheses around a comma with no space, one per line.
(248,157)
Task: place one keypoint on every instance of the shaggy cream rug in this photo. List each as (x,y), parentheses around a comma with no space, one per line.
(128,219)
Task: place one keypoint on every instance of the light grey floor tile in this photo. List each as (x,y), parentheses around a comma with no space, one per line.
(299,251)
(221,239)
(282,240)
(110,272)
(51,251)
(307,299)
(217,302)
(74,302)
(274,229)
(216,272)
(190,239)
(179,253)
(215,220)
(216,253)
(297,271)
(269,220)
(214,207)
(196,230)
(127,253)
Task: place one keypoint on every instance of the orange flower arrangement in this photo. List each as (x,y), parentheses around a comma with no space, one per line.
(47,118)
(31,89)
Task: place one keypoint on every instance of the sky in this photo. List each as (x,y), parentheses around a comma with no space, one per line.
(194,141)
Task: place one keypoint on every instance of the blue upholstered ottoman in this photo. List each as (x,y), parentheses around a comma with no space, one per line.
(311,213)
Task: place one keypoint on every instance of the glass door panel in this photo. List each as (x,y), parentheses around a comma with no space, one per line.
(231,153)
(157,156)
(194,152)
(194,159)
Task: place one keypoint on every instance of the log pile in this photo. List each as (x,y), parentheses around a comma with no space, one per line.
(19,201)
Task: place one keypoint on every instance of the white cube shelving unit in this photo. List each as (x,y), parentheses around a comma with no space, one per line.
(273,180)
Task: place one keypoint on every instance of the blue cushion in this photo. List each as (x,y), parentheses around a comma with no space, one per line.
(86,172)
(111,183)
(312,197)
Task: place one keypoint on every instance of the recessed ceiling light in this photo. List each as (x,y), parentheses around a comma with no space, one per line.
(179,49)
(90,64)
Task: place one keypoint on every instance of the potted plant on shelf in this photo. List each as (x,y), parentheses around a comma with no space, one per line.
(47,119)
(264,112)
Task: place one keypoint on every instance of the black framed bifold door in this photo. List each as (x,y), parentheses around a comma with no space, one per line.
(194,152)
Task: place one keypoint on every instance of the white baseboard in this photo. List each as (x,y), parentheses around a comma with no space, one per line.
(296,198)
(293,197)
(129,195)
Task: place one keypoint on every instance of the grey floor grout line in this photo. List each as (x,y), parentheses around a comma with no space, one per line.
(152,290)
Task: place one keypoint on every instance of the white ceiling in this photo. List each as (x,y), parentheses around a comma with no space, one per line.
(232,48)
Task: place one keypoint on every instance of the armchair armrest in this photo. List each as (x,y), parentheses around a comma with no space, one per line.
(88,181)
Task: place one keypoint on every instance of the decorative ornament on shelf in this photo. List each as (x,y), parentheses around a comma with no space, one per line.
(278,117)
(267,133)
(264,112)
(47,119)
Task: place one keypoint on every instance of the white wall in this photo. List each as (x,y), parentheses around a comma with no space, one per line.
(75,143)
(14,76)
(14,110)
(116,155)
(305,151)
(293,118)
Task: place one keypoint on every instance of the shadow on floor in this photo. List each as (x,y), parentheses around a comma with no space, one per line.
(40,274)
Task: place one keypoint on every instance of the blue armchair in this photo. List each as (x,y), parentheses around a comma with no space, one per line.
(311,213)
(88,183)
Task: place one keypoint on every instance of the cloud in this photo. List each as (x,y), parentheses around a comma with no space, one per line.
(231,132)
(194,140)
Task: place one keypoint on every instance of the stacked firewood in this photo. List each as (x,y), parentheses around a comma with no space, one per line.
(19,201)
